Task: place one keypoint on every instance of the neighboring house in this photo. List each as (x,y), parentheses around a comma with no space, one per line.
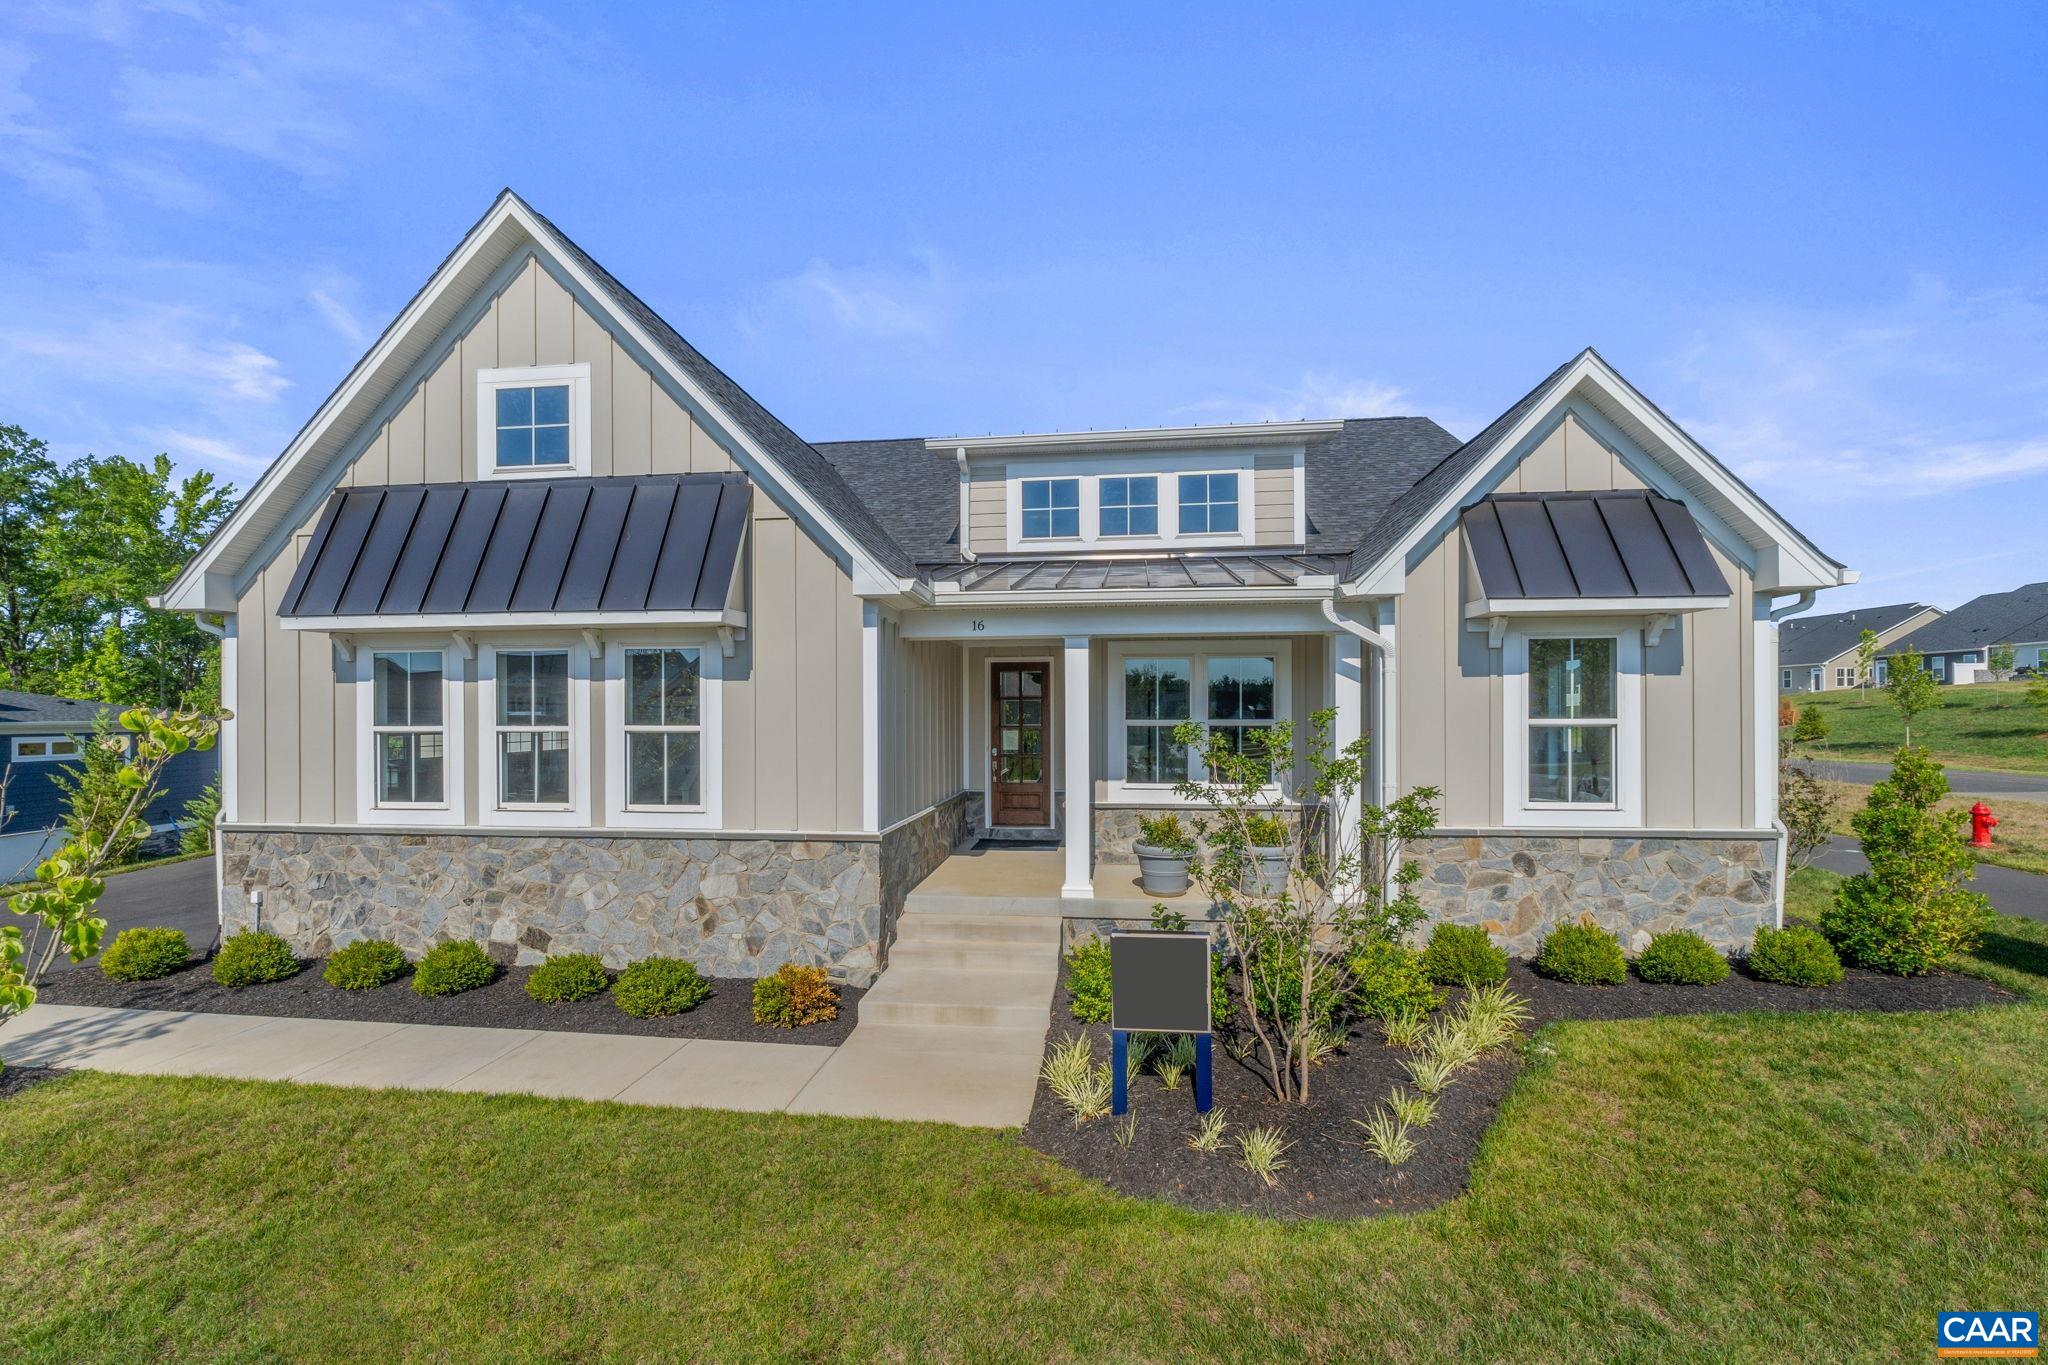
(40,737)
(1957,647)
(1818,653)
(543,632)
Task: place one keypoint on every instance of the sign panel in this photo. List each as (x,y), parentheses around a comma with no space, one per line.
(1159,981)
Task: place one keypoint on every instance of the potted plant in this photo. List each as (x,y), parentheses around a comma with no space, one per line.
(1265,872)
(1164,849)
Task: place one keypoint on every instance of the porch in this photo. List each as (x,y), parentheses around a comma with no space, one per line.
(988,879)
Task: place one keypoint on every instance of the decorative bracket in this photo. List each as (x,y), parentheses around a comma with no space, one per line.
(465,644)
(345,645)
(1496,631)
(593,640)
(1653,629)
(729,638)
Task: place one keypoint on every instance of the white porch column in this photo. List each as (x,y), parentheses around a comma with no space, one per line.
(1078,772)
(1347,670)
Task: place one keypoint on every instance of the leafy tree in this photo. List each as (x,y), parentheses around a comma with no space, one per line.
(2003,660)
(1866,664)
(1909,913)
(1912,688)
(202,813)
(1812,727)
(26,578)
(1294,940)
(1806,807)
(59,903)
(96,793)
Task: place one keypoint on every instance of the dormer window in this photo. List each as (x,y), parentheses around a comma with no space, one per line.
(1208,504)
(1130,506)
(533,422)
(1051,509)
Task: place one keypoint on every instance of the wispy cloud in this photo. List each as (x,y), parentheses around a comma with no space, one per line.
(1938,391)
(876,302)
(1319,394)
(151,348)
(187,447)
(326,298)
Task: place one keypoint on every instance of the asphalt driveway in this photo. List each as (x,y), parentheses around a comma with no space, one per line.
(2012,892)
(1961,781)
(170,896)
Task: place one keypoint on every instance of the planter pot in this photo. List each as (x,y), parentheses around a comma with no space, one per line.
(1267,873)
(1161,871)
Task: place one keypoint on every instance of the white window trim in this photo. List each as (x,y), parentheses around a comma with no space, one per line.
(490,812)
(453,727)
(1627,810)
(1090,473)
(1198,654)
(710,715)
(488,382)
(77,742)
(1784,680)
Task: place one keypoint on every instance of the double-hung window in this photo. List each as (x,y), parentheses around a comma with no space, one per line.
(1208,504)
(1156,695)
(533,727)
(1129,506)
(1573,721)
(410,729)
(1784,680)
(1240,700)
(1050,509)
(664,729)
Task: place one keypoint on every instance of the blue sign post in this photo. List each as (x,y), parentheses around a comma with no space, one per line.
(1159,983)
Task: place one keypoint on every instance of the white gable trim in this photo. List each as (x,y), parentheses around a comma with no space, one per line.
(1781,558)
(285,497)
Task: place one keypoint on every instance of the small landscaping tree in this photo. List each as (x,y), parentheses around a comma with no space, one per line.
(1806,807)
(1812,727)
(1909,913)
(67,886)
(1912,688)
(2003,659)
(1866,664)
(1295,942)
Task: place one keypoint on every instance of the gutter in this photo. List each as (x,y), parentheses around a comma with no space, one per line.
(1386,680)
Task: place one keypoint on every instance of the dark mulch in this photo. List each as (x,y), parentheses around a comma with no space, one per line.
(16,1079)
(727,1014)
(1329,1173)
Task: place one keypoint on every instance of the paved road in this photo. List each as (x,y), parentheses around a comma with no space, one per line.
(175,896)
(1963,781)
(2012,892)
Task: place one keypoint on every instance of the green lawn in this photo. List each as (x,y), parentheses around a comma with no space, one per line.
(1812,1186)
(1983,725)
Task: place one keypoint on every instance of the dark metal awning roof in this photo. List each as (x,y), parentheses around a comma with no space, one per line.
(1230,573)
(1621,551)
(565,550)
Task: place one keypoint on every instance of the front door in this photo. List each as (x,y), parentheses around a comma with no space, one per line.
(1020,774)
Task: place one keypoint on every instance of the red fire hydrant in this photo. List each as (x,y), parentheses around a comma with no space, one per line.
(1982,822)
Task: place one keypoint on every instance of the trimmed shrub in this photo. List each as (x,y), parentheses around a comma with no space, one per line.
(1682,958)
(795,997)
(1583,954)
(1088,981)
(655,987)
(568,978)
(144,954)
(452,968)
(365,965)
(251,957)
(1794,957)
(1463,955)
(1267,831)
(1387,979)
(1165,831)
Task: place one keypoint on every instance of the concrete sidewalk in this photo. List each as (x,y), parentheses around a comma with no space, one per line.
(679,1072)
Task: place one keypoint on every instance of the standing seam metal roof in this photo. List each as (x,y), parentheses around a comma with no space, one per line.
(1579,545)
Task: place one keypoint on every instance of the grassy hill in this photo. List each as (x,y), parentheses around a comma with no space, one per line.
(1984,725)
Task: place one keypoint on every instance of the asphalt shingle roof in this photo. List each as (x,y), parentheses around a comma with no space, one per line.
(33,708)
(1817,639)
(1997,618)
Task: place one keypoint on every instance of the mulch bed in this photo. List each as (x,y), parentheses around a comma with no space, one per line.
(16,1079)
(1329,1173)
(728,1013)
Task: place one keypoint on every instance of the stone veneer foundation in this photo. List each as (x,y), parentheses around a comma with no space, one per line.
(1517,886)
(735,905)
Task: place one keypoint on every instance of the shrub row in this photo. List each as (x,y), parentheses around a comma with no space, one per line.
(1588,955)
(655,987)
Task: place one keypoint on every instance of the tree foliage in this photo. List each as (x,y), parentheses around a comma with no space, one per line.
(1866,663)
(1812,727)
(1911,688)
(1806,807)
(1296,941)
(82,548)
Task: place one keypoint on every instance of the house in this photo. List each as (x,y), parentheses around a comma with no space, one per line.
(1818,653)
(544,632)
(1957,647)
(41,738)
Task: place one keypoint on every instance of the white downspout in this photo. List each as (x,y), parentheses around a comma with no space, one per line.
(1382,691)
(1799,604)
(966,501)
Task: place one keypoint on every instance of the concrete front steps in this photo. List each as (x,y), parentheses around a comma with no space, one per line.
(954,1028)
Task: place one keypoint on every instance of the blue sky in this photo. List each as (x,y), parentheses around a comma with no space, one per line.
(1815,233)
